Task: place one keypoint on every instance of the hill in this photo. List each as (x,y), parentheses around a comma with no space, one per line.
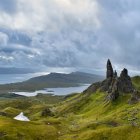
(85,116)
(74,77)
(53,80)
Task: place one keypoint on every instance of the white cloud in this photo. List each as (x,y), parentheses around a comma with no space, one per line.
(38,15)
(3,38)
(7,58)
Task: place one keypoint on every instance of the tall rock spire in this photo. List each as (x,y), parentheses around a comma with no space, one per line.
(115,74)
(114,85)
(109,73)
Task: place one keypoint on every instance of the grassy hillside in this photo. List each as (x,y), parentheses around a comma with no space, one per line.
(136,82)
(75,117)
(98,119)
(81,117)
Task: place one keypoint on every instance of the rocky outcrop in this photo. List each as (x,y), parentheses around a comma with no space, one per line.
(125,84)
(109,73)
(115,75)
(113,85)
(107,84)
(113,92)
(120,85)
(93,88)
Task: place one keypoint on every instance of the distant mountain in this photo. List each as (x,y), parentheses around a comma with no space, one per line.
(13,70)
(53,80)
(74,77)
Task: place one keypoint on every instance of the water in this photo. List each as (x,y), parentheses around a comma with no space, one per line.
(55,91)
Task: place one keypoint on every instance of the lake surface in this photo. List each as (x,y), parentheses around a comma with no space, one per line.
(55,91)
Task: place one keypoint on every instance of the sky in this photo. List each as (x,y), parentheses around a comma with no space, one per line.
(70,35)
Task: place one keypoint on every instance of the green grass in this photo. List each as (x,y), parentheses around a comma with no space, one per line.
(92,117)
(136,82)
(78,117)
(15,130)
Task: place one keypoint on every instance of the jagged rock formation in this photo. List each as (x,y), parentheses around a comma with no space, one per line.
(114,90)
(93,88)
(105,85)
(115,74)
(111,77)
(113,85)
(125,84)
(109,73)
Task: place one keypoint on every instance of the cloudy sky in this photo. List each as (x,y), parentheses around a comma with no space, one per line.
(68,35)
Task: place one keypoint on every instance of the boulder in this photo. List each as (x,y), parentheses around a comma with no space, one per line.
(46,112)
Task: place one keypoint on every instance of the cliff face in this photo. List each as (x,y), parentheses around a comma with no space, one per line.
(113,85)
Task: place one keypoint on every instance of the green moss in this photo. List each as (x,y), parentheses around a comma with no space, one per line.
(136,82)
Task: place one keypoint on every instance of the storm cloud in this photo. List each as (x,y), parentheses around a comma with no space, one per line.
(73,34)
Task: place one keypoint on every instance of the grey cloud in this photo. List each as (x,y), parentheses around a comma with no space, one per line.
(121,24)
(8,6)
(16,37)
(77,36)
